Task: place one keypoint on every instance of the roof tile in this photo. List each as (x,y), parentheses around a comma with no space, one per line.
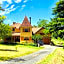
(26,22)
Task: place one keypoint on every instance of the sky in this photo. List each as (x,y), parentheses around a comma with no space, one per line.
(16,10)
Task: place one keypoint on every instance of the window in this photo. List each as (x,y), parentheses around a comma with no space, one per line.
(26,38)
(26,30)
(13,29)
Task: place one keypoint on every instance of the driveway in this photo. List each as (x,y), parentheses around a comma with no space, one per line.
(32,58)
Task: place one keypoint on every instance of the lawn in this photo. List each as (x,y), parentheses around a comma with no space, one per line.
(57,57)
(9,51)
(57,41)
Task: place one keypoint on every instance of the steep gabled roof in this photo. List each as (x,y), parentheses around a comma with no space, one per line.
(26,22)
(36,29)
(16,25)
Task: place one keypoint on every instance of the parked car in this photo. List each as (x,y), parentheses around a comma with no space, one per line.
(40,42)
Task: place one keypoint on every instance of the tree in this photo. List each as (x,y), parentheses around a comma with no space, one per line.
(34,26)
(1,8)
(2,18)
(42,23)
(5,29)
(46,31)
(58,10)
(58,21)
(36,37)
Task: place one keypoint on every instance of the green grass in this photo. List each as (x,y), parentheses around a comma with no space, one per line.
(57,57)
(57,41)
(9,51)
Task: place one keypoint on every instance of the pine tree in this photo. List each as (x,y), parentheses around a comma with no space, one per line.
(57,23)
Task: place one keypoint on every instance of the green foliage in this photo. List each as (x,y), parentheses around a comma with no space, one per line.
(57,41)
(58,11)
(46,31)
(36,37)
(2,18)
(34,26)
(56,25)
(42,23)
(5,30)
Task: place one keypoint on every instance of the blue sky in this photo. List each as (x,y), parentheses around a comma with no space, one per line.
(16,10)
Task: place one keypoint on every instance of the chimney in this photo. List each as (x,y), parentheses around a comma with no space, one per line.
(30,19)
(14,22)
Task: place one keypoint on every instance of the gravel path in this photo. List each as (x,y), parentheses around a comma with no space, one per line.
(32,58)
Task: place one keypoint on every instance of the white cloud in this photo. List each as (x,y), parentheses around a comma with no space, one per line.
(17,1)
(8,21)
(8,10)
(1,1)
(9,1)
(25,1)
(23,6)
(12,6)
(7,5)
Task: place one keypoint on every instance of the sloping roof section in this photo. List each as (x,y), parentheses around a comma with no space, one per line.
(36,29)
(26,22)
(16,25)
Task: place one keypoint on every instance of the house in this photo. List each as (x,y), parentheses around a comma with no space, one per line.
(24,31)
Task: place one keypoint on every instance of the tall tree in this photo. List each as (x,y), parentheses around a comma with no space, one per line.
(57,23)
(36,37)
(42,23)
(5,29)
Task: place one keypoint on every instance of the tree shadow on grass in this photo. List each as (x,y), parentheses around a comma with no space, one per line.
(34,45)
(9,43)
(10,59)
(7,50)
(5,58)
